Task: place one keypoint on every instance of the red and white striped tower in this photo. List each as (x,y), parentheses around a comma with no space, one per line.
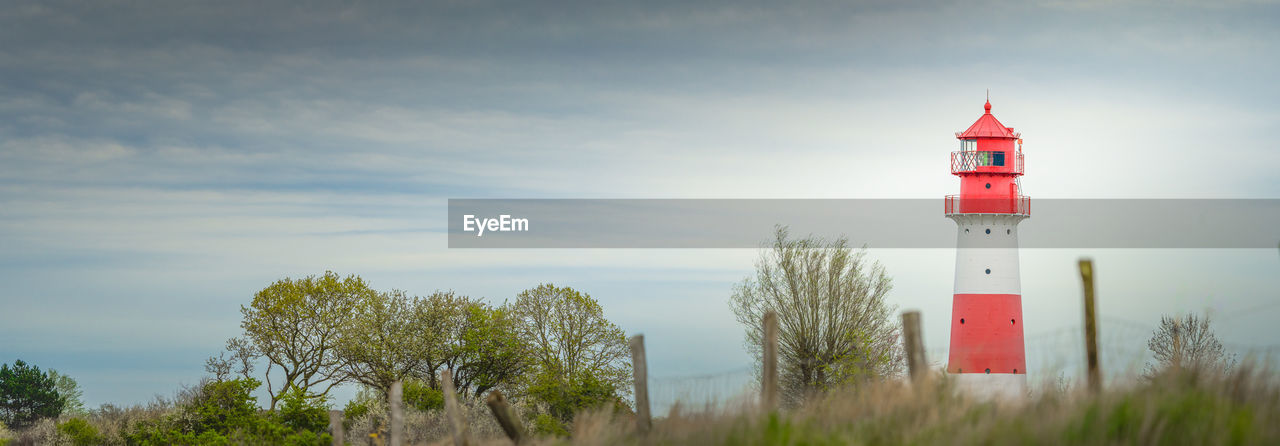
(987,354)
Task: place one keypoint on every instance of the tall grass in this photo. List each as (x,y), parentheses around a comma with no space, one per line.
(1186,406)
(1178,407)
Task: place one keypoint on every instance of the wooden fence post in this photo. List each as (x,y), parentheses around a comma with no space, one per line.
(640,372)
(1090,326)
(507,417)
(913,343)
(335,427)
(457,424)
(395,400)
(769,368)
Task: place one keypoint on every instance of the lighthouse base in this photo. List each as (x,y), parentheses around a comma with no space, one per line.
(995,386)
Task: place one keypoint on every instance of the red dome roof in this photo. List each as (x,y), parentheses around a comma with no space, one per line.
(987,127)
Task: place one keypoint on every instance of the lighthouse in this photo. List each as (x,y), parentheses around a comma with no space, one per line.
(987,357)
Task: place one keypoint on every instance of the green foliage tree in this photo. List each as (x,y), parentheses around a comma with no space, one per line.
(572,343)
(27,394)
(397,337)
(70,392)
(389,337)
(297,325)
(443,316)
(487,351)
(834,325)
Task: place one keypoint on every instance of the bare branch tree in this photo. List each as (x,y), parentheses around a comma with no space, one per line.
(241,360)
(834,325)
(218,366)
(1186,342)
(570,335)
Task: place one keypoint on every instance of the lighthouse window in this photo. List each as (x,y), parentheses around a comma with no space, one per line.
(968,145)
(988,185)
(988,270)
(990,158)
(1008,231)
(988,230)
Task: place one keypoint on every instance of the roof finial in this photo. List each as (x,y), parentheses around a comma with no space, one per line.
(987,106)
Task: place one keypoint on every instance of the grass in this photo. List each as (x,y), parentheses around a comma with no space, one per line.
(1183,407)
(1180,407)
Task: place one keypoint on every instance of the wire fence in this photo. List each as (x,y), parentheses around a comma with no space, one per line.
(1054,357)
(703,391)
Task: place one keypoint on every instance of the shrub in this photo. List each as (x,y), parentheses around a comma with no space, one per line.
(226,412)
(566,398)
(365,402)
(545,424)
(223,406)
(303,413)
(428,427)
(422,397)
(417,394)
(41,432)
(80,432)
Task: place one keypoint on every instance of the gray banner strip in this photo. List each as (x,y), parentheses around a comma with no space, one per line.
(878,223)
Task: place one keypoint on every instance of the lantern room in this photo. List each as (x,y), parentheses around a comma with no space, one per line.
(988,163)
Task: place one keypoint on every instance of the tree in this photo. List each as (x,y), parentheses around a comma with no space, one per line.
(572,342)
(388,339)
(488,351)
(27,395)
(1186,342)
(70,392)
(296,325)
(442,316)
(834,325)
(394,337)
(240,361)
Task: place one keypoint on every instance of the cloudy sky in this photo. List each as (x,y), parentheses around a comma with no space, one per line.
(162,161)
